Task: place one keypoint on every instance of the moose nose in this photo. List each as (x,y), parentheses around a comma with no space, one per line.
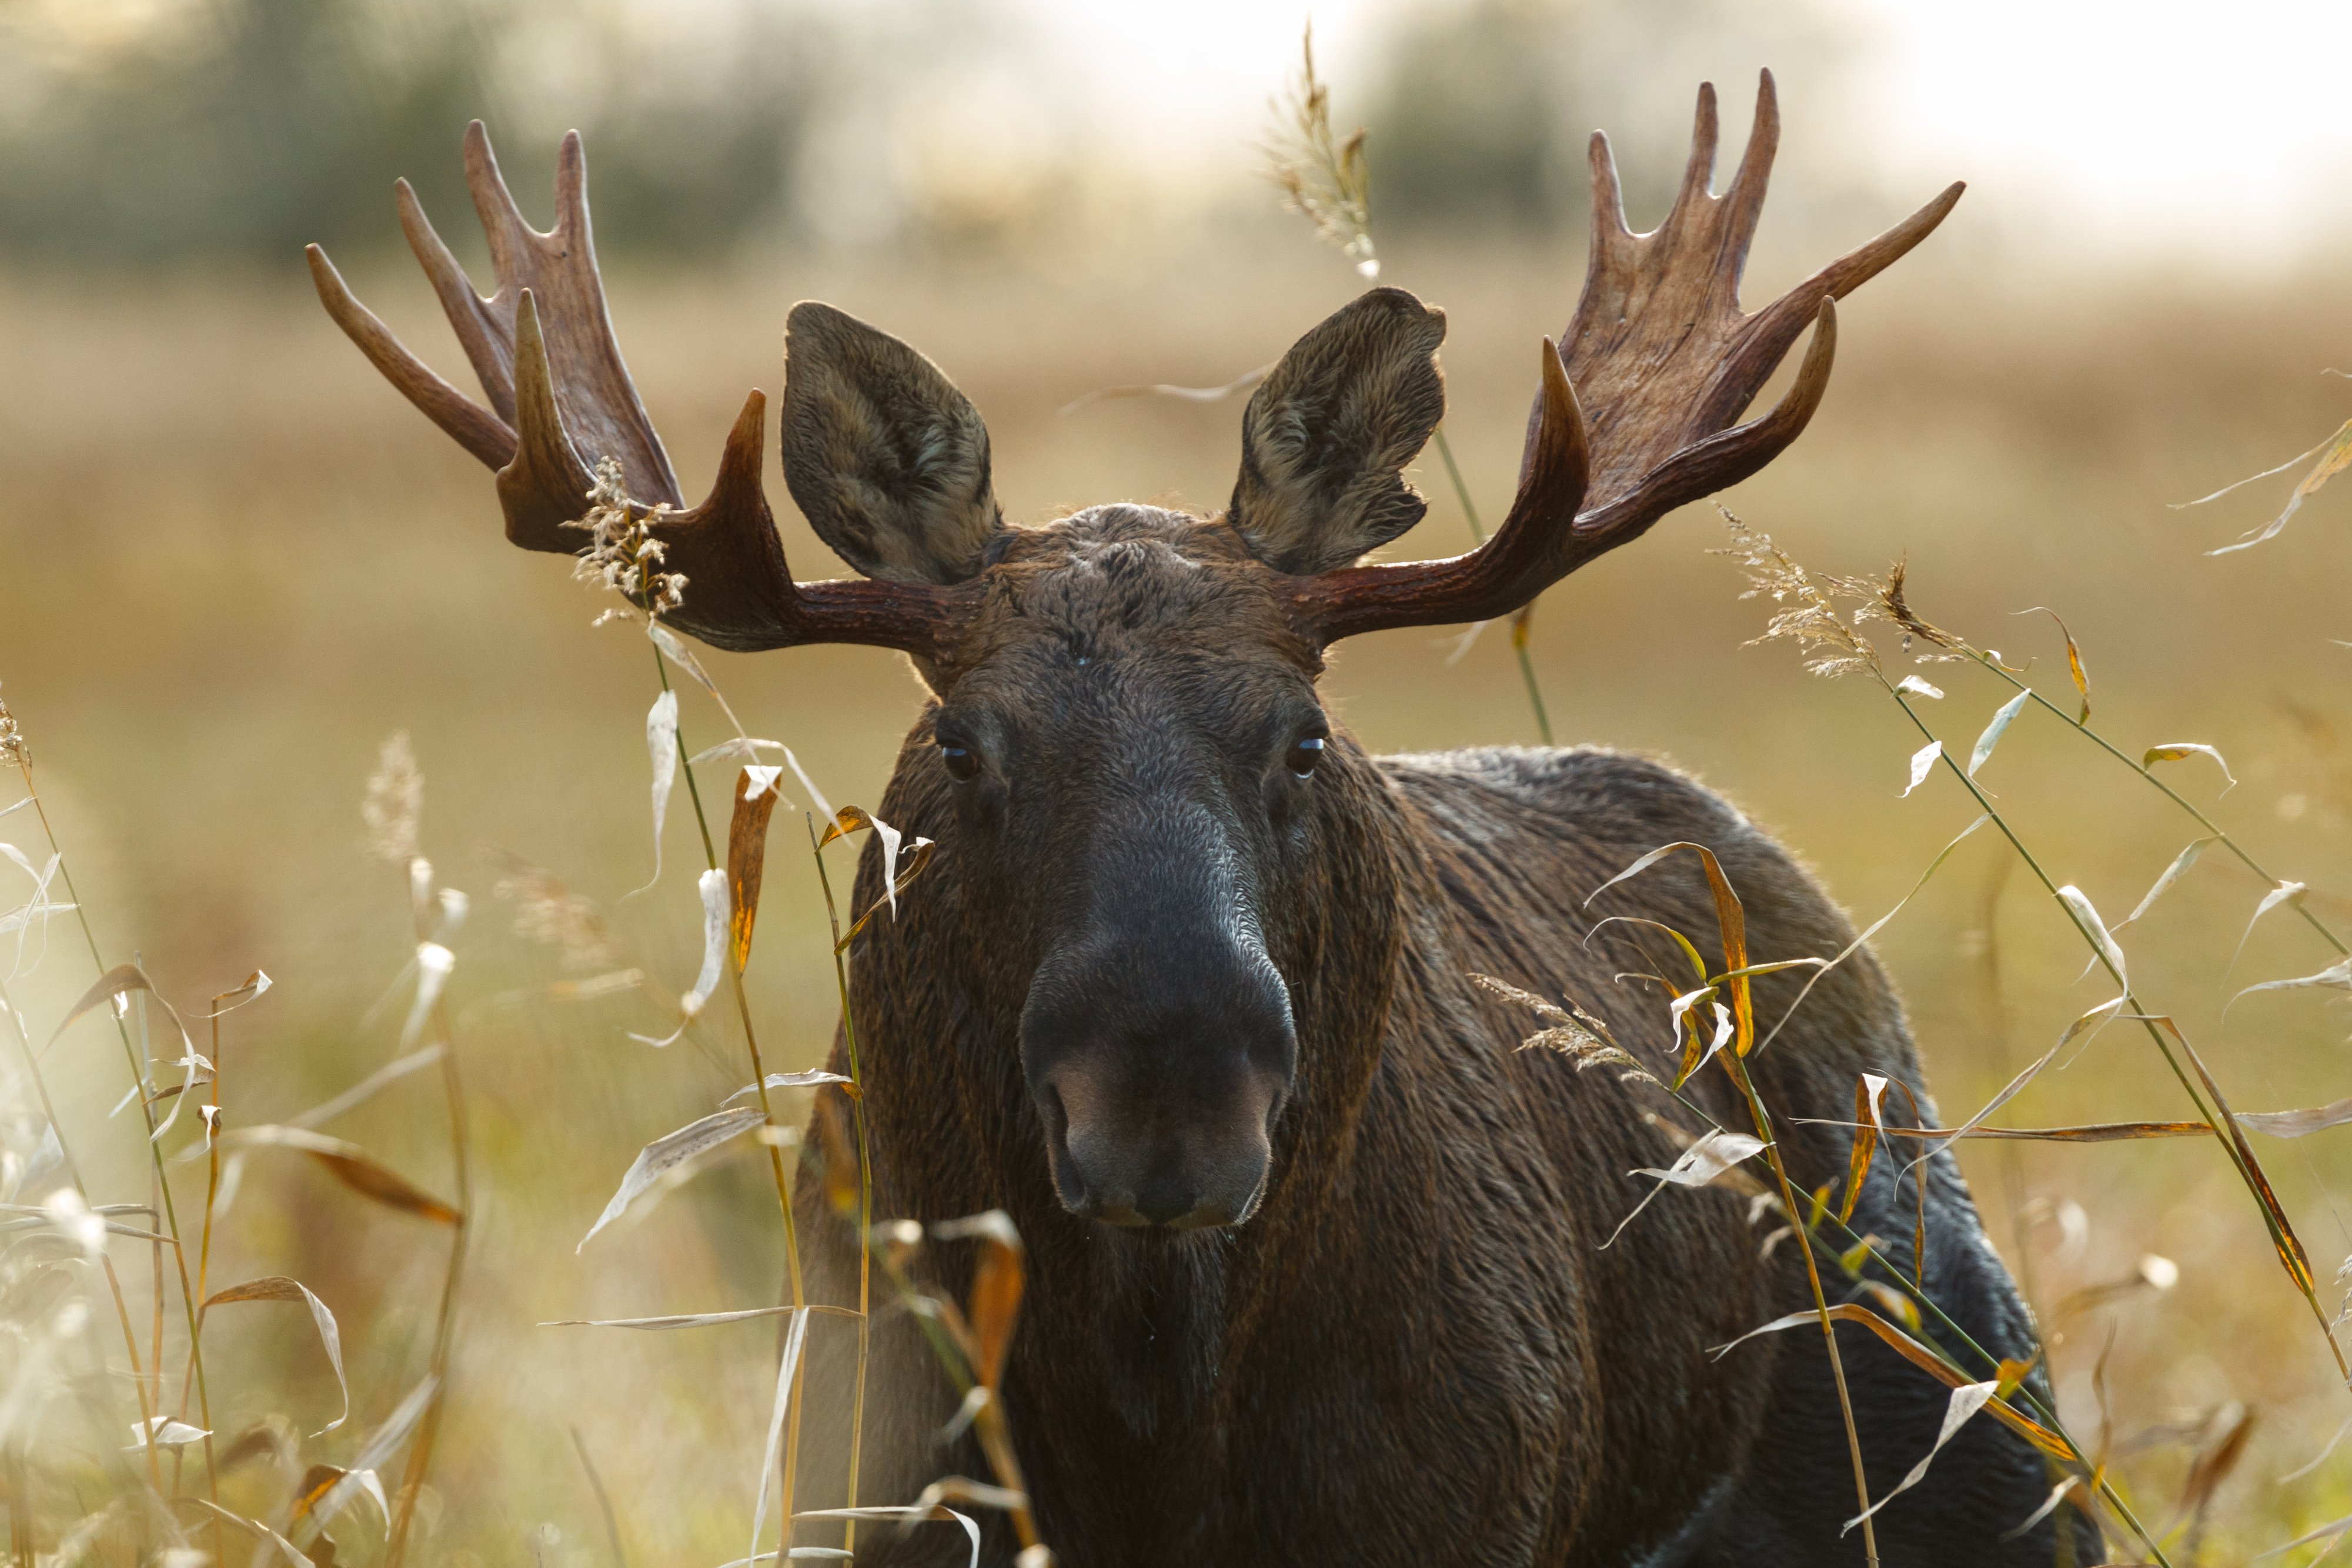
(1188,1173)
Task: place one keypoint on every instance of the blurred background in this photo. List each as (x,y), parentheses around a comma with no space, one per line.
(236,562)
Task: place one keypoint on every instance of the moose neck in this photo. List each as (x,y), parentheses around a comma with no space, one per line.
(1145,1323)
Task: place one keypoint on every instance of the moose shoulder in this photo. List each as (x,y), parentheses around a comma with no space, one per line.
(1320,1264)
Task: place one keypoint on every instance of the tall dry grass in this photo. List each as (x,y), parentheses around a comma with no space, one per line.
(238,563)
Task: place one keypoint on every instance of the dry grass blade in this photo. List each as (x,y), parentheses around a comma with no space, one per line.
(2089,1022)
(1868,1090)
(2073,661)
(1731,922)
(2091,1133)
(812,1078)
(256,1528)
(2297,1123)
(784,1376)
(1239,384)
(367,1088)
(352,1166)
(693,1320)
(278,1288)
(1966,1401)
(2208,1471)
(2292,1256)
(2334,977)
(1920,1356)
(382,1444)
(996,1288)
(661,749)
(667,1153)
(849,820)
(2335,456)
(747,850)
(908,1513)
(1875,927)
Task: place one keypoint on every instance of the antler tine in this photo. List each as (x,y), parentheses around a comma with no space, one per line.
(503,225)
(1774,328)
(1698,169)
(1745,199)
(488,341)
(546,484)
(463,420)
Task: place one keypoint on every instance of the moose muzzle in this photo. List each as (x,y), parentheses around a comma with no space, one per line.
(1159,1072)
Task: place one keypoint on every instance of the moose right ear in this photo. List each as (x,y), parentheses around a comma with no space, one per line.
(885,457)
(1325,438)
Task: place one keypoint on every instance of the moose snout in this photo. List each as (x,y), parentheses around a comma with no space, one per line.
(1156,1160)
(1159,1073)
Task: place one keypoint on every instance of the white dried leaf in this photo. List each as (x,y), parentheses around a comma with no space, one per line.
(1921,762)
(670,1150)
(1966,1401)
(661,751)
(1700,1163)
(1994,731)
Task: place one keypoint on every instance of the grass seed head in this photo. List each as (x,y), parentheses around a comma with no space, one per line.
(1324,178)
(546,911)
(12,739)
(622,553)
(394,802)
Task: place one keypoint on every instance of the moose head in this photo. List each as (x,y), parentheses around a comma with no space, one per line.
(1126,724)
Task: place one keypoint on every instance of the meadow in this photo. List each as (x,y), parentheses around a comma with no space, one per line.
(236,563)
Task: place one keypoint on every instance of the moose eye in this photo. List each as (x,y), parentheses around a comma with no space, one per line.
(961,762)
(1305,753)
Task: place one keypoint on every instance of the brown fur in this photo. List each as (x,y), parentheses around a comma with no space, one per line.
(1415,1352)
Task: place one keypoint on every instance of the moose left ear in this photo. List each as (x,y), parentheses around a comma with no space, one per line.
(1326,437)
(887,460)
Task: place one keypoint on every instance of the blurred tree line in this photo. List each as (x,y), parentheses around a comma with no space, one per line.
(238,129)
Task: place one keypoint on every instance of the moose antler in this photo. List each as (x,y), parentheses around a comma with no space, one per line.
(560,400)
(1633,418)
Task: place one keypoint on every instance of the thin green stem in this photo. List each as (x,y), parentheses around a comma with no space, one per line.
(1520,621)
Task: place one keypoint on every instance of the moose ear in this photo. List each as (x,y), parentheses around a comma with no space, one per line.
(885,457)
(1326,437)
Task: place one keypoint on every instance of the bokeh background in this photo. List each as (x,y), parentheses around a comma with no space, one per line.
(235,562)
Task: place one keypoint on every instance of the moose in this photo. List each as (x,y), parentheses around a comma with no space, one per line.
(1315,1254)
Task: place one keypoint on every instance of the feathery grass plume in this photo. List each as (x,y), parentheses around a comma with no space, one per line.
(394,802)
(1825,634)
(546,911)
(622,553)
(1324,178)
(12,739)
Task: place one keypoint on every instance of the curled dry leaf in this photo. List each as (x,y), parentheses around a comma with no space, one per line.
(1995,730)
(1700,1163)
(667,1153)
(661,749)
(2173,751)
(279,1288)
(1919,688)
(849,820)
(2336,976)
(163,1432)
(434,963)
(1868,1090)
(352,1166)
(712,886)
(747,850)
(1966,1401)
(321,1482)
(2285,892)
(1921,762)
(2095,929)
(996,1288)
(365,1089)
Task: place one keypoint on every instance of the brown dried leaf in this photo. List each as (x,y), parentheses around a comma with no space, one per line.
(2297,1123)
(2291,1254)
(354,1167)
(747,850)
(1867,1091)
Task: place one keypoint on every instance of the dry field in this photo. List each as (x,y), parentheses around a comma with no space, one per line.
(236,562)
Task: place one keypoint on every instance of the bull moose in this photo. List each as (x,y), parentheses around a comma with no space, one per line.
(1316,1271)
